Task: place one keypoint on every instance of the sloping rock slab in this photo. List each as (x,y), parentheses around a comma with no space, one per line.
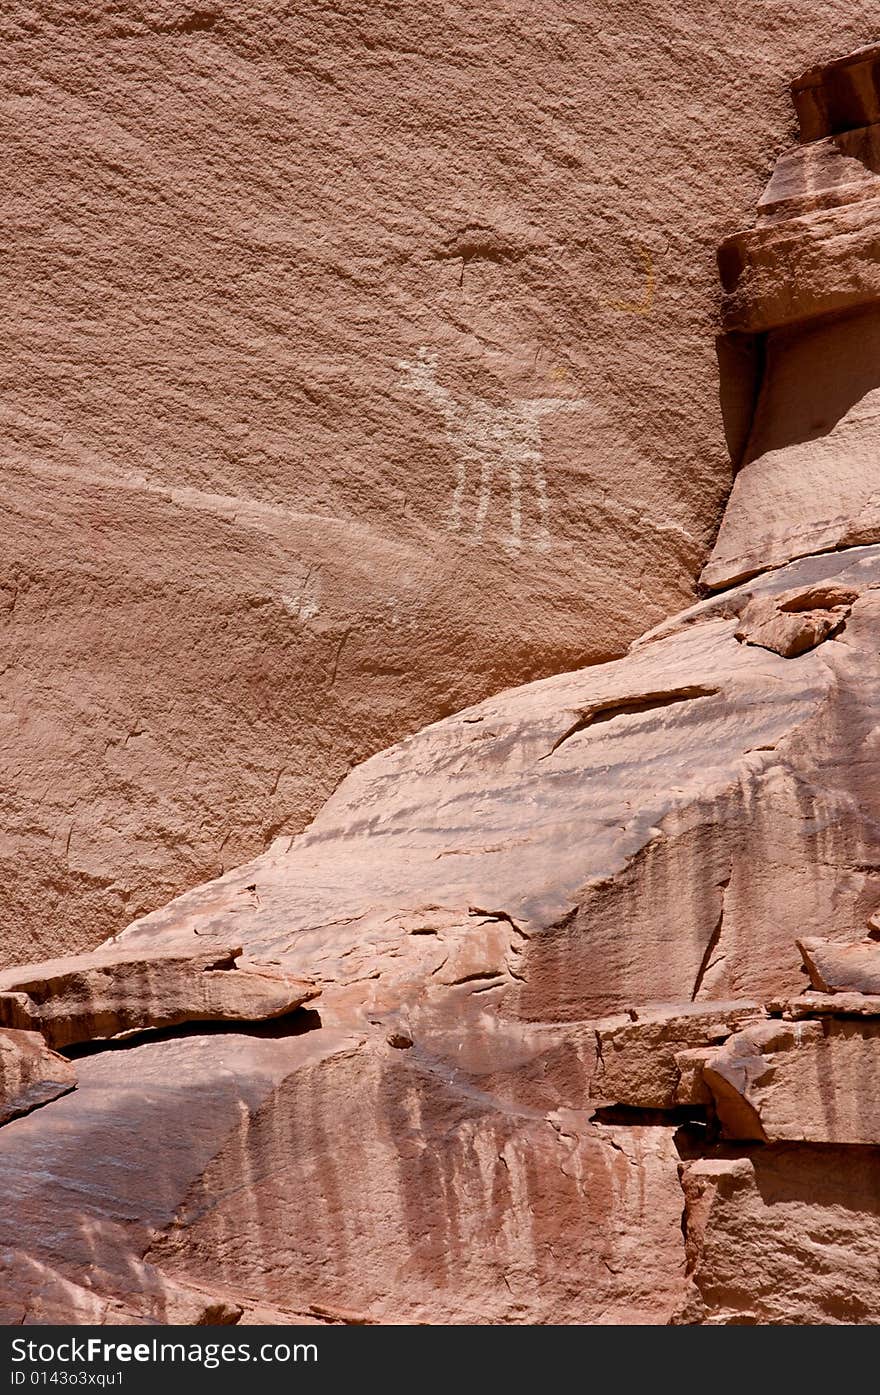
(635,832)
(848,967)
(88,997)
(30,1074)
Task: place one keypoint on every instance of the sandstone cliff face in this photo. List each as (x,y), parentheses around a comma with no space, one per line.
(574,1010)
(358,363)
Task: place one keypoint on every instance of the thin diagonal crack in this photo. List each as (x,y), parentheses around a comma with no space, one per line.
(706,961)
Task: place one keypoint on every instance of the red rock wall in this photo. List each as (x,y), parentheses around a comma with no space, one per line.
(227,569)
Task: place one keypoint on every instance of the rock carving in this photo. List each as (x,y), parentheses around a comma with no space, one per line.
(491,441)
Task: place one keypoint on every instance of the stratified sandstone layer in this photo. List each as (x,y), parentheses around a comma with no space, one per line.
(358,362)
(598,1033)
(803,288)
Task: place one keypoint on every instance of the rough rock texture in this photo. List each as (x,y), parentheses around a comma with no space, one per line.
(90,997)
(470,903)
(247,540)
(786,1235)
(835,967)
(30,1074)
(556,935)
(569,823)
(795,621)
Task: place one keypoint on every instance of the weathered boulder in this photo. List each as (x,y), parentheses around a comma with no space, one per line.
(30,1074)
(803,1081)
(835,967)
(89,997)
(795,621)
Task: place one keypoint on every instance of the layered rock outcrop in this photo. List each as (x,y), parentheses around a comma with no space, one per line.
(91,997)
(253,532)
(597,1034)
(807,483)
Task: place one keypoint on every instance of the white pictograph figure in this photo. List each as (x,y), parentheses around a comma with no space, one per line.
(492,438)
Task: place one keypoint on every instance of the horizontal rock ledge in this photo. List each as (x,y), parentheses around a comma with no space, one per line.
(92,997)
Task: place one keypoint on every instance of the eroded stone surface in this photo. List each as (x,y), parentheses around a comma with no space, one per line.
(785,1235)
(807,483)
(237,559)
(840,95)
(30,1074)
(90,997)
(435,1145)
(224,1172)
(821,1005)
(800,1081)
(848,968)
(469,903)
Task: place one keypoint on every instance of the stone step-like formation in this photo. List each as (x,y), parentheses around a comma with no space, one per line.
(805,282)
(639,1055)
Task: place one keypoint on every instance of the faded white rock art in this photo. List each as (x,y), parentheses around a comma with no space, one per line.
(493,440)
(303,600)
